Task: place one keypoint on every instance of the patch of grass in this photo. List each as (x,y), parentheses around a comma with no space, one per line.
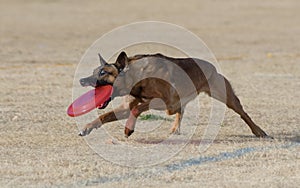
(152,117)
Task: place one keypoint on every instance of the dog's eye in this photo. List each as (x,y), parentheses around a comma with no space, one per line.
(102,72)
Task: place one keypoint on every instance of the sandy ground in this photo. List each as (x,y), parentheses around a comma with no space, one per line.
(256,42)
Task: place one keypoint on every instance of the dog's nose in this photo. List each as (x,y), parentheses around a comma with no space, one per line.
(82,82)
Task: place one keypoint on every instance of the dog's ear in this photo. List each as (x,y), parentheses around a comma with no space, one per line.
(101,59)
(122,61)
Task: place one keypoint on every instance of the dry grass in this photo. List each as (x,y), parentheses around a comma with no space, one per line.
(257,43)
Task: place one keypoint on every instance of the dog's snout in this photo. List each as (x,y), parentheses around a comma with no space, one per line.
(89,81)
(82,82)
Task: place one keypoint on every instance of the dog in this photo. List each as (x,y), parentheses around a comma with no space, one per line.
(175,81)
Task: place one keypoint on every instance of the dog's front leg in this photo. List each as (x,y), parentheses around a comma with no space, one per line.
(90,126)
(119,113)
(134,113)
(104,118)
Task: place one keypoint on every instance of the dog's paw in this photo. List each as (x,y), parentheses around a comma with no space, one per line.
(261,134)
(128,132)
(175,131)
(265,136)
(269,137)
(84,132)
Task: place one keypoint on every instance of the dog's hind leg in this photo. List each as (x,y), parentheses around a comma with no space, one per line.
(220,89)
(176,125)
(175,129)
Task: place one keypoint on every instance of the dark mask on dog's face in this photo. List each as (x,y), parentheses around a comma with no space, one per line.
(105,74)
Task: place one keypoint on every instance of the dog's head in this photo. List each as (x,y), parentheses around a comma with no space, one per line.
(106,74)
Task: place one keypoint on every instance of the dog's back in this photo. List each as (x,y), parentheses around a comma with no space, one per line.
(197,70)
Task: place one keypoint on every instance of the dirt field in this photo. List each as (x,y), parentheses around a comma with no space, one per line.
(256,42)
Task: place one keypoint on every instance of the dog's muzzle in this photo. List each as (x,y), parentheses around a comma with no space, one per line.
(89,81)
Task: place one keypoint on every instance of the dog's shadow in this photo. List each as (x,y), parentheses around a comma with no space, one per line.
(229,139)
(295,139)
(288,137)
(196,141)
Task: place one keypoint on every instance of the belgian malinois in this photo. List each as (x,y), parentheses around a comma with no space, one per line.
(175,81)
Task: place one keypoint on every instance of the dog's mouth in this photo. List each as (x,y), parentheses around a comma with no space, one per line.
(105,104)
(89,81)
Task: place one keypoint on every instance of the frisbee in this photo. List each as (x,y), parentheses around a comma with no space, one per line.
(95,98)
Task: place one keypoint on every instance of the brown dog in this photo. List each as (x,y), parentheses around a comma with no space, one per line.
(175,81)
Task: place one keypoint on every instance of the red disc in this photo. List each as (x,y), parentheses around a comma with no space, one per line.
(90,100)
